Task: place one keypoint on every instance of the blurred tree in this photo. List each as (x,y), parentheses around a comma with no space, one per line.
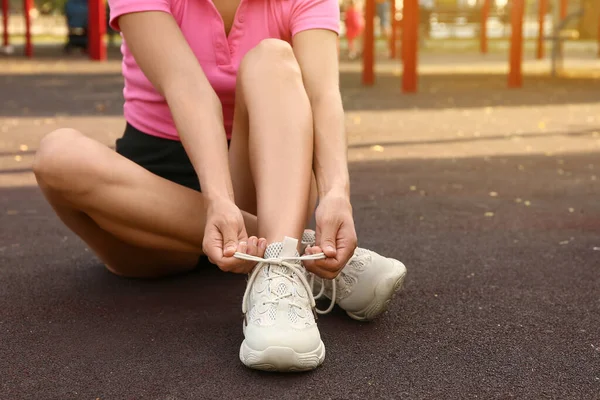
(45,6)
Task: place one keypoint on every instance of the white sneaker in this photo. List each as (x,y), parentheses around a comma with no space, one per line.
(365,286)
(279,324)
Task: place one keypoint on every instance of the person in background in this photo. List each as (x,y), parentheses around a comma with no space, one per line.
(383,13)
(76,14)
(355,25)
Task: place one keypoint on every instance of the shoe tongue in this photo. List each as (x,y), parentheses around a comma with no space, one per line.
(287,248)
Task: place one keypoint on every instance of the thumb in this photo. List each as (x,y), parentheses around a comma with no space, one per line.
(230,240)
(326,239)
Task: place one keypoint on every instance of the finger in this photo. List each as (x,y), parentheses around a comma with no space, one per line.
(325,268)
(252,246)
(308,264)
(327,271)
(213,253)
(231,264)
(327,238)
(328,267)
(314,250)
(262,246)
(345,254)
(244,265)
(230,239)
(329,264)
(311,264)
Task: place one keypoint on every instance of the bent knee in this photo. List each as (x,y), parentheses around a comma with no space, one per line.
(62,153)
(273,57)
(273,48)
(55,150)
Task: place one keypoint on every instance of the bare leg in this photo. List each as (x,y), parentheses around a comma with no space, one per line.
(139,224)
(272,142)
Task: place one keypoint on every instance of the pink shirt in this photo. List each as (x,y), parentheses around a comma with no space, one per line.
(218,54)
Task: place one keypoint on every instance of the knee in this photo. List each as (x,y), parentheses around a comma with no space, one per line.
(273,58)
(59,155)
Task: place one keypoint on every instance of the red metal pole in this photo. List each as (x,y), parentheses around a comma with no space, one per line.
(5,22)
(28,5)
(368,77)
(543,9)
(410,44)
(393,44)
(515,75)
(564,9)
(96,29)
(92,28)
(485,13)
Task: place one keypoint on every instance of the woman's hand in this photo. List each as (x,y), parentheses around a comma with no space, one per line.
(225,234)
(336,236)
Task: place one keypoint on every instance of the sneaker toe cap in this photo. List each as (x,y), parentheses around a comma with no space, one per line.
(300,340)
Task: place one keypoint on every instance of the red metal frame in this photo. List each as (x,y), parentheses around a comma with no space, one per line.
(543,9)
(5,39)
(96,29)
(564,8)
(368,76)
(515,75)
(393,44)
(28,6)
(485,13)
(410,45)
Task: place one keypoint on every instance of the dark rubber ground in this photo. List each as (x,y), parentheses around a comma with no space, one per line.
(502,298)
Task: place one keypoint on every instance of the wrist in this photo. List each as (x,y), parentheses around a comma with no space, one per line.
(217,197)
(338,191)
(330,186)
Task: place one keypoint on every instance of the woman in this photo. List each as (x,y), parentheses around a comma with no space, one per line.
(354,27)
(187,65)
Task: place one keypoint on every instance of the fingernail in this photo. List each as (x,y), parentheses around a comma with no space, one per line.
(231,248)
(263,244)
(254,242)
(330,248)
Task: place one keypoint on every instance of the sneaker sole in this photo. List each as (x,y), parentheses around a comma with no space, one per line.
(384,294)
(281,359)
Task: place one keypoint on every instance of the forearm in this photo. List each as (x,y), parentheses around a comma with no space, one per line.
(198,115)
(166,59)
(330,158)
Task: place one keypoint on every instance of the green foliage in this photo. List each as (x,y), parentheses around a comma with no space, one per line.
(50,6)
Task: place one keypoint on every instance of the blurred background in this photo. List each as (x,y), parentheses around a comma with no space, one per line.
(440,19)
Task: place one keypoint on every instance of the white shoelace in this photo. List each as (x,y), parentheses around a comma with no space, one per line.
(283,261)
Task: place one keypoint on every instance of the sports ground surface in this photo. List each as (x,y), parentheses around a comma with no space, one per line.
(490,197)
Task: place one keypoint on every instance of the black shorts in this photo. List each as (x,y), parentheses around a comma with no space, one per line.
(163,157)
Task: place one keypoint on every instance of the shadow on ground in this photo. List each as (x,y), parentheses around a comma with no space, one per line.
(501,299)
